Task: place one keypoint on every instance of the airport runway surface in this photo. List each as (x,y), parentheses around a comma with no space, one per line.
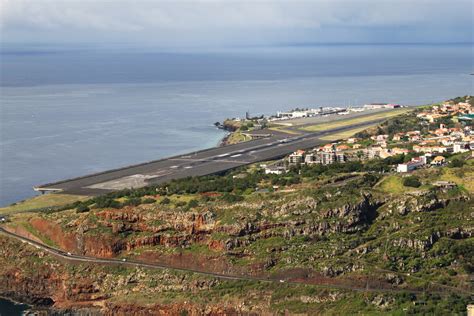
(204,162)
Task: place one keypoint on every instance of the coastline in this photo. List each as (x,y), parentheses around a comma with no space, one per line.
(224,141)
(6,303)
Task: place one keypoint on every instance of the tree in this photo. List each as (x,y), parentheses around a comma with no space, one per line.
(231,198)
(165,201)
(134,201)
(148,201)
(456,163)
(193,203)
(412,181)
(81,208)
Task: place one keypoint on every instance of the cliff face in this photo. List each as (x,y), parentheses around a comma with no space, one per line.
(32,276)
(200,235)
(333,236)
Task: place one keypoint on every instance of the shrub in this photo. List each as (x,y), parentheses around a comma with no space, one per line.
(411,182)
(193,203)
(148,201)
(231,198)
(81,208)
(456,163)
(104,202)
(134,201)
(180,203)
(165,201)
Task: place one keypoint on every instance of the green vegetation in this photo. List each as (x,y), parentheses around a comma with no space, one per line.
(356,120)
(42,202)
(456,163)
(392,184)
(319,232)
(82,208)
(345,134)
(412,181)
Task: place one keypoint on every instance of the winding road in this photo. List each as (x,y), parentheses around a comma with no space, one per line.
(132,263)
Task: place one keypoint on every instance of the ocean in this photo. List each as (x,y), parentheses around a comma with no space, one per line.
(9,308)
(68,112)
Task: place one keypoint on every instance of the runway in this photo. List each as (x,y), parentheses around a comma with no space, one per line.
(204,162)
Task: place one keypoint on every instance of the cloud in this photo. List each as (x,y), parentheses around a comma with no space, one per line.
(205,22)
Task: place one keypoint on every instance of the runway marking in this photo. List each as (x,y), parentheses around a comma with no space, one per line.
(132,181)
(206,160)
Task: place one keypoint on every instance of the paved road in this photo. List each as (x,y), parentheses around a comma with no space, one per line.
(209,161)
(130,263)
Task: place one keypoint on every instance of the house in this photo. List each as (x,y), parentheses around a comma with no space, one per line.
(274,169)
(460,147)
(374,152)
(385,153)
(382,143)
(341,157)
(310,158)
(412,165)
(325,158)
(342,147)
(431,149)
(447,141)
(398,136)
(441,131)
(329,148)
(352,140)
(379,138)
(399,151)
(414,138)
(296,157)
(438,161)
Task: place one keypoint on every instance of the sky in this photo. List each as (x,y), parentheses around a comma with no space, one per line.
(207,23)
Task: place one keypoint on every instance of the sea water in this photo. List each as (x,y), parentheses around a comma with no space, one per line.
(69,112)
(9,308)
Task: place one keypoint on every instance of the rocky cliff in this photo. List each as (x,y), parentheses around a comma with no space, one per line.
(332,235)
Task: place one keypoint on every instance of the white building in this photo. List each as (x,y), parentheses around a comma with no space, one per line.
(275,170)
(296,157)
(412,165)
(460,147)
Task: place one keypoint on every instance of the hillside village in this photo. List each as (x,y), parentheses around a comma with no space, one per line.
(422,140)
(330,229)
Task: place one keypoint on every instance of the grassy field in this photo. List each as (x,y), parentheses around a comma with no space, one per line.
(461,176)
(42,201)
(283,129)
(394,184)
(237,137)
(356,120)
(345,134)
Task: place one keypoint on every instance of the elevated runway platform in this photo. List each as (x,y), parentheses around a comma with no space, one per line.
(204,162)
